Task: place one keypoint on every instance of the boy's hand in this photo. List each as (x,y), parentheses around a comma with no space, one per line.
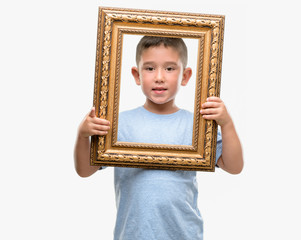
(92,125)
(215,109)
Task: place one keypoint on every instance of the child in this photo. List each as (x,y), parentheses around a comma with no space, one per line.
(159,204)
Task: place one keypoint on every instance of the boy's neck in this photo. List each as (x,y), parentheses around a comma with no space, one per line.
(166,108)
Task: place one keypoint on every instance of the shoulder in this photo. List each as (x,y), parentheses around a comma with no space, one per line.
(130,117)
(130,113)
(185,115)
(126,112)
(185,112)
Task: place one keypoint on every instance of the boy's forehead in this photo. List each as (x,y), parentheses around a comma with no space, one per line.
(165,52)
(160,47)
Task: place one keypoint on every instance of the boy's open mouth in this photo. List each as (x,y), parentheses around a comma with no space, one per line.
(159,89)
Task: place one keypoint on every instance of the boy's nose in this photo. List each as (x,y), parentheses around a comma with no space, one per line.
(159,76)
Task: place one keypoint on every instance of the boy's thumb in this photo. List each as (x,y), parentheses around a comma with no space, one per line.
(92,112)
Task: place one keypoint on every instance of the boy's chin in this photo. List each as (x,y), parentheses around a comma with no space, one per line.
(161,102)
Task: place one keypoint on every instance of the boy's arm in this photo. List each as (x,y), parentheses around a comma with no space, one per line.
(232,157)
(91,125)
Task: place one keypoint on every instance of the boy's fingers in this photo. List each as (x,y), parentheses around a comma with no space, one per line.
(210,117)
(96,132)
(214,99)
(101,127)
(92,112)
(208,111)
(210,105)
(101,121)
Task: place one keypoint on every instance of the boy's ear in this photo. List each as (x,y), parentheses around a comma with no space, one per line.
(186,76)
(135,73)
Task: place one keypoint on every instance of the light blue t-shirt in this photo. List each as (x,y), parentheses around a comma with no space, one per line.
(157,204)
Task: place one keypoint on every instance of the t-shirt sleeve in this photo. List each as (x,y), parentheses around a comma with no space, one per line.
(219,146)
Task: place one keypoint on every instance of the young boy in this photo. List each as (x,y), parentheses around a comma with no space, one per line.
(159,204)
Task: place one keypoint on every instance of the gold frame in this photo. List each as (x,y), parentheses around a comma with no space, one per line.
(112,24)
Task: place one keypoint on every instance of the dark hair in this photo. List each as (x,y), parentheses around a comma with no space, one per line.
(152,41)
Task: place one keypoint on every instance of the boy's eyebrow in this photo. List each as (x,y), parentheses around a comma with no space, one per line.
(146,63)
(165,63)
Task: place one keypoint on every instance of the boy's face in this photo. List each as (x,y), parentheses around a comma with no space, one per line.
(160,74)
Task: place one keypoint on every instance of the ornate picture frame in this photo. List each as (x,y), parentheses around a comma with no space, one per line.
(113,24)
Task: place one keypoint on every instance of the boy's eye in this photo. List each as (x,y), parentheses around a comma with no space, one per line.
(150,68)
(169,69)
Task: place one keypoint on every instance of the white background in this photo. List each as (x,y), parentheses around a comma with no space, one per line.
(47,57)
